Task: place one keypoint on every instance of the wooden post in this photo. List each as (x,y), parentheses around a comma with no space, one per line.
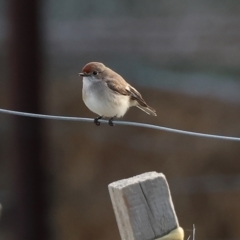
(30,220)
(143,208)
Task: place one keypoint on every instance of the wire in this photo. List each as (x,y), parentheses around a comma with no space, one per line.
(135,124)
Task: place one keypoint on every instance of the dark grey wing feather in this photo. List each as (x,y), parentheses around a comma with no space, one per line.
(135,95)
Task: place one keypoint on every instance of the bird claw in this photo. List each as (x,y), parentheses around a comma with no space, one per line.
(96,121)
(110,122)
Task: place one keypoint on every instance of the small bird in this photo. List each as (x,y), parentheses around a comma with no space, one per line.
(107,94)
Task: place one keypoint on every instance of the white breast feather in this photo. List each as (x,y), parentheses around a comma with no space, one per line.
(108,104)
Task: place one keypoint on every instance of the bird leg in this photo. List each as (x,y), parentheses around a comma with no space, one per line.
(110,122)
(96,120)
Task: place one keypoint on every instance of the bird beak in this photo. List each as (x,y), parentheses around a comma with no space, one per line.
(83,74)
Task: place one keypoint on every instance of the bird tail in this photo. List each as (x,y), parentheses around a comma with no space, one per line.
(148,110)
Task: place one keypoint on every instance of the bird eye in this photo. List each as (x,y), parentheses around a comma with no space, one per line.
(95,72)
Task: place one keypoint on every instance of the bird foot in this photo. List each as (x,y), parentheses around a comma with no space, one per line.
(110,122)
(96,120)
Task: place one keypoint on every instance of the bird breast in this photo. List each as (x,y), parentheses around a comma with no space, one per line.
(103,101)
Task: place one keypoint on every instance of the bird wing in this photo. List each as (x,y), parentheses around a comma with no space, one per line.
(127,90)
(118,88)
(135,95)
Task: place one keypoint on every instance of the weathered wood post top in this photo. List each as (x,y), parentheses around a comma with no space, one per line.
(144,209)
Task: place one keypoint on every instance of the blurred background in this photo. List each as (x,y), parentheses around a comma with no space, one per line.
(184,57)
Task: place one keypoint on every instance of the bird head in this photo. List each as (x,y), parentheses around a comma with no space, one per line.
(93,70)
